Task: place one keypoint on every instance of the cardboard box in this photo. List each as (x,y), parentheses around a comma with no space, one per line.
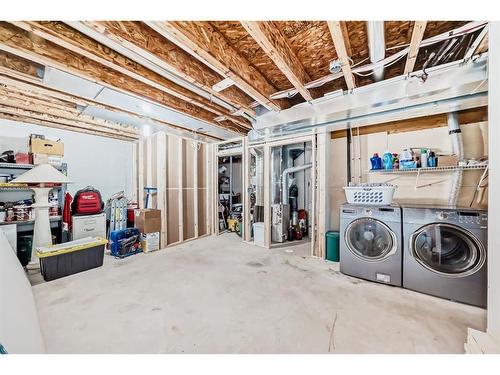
(447,160)
(147,220)
(44,146)
(150,242)
(54,160)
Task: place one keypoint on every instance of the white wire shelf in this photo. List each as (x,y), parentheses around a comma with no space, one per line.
(426,170)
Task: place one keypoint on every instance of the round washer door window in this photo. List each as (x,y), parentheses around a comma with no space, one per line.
(370,239)
(447,250)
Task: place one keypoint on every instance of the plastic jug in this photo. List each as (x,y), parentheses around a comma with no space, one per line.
(376,161)
(388,160)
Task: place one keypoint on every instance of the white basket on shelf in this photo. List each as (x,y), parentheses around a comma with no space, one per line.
(370,194)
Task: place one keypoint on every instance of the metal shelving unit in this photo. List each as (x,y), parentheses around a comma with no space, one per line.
(10,194)
(429,169)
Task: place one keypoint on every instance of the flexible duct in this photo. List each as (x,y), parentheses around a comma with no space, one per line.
(457,146)
(376,43)
(284,179)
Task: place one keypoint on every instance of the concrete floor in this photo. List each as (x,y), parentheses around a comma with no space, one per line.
(219,295)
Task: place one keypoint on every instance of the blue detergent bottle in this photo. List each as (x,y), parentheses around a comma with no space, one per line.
(387,160)
(376,161)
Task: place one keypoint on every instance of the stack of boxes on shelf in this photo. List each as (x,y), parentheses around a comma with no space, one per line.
(45,151)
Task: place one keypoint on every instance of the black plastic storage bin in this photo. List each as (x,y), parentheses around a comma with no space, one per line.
(71,257)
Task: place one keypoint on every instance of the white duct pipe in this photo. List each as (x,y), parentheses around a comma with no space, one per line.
(457,146)
(284,179)
(376,44)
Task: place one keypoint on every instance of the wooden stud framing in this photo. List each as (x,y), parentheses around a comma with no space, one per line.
(161,181)
(340,46)
(195,190)
(416,39)
(276,46)
(267,196)
(135,170)
(140,173)
(181,187)
(208,45)
(314,214)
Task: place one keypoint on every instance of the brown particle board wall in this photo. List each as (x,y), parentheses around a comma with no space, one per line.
(475,139)
(177,168)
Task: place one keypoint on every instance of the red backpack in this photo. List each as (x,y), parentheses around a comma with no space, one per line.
(87,201)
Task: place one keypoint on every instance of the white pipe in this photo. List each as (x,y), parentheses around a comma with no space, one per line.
(457,146)
(376,46)
(284,179)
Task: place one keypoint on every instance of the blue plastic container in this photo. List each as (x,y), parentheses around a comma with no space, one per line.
(125,242)
(387,160)
(376,161)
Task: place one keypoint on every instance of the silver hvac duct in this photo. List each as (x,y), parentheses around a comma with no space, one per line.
(376,44)
(457,146)
(284,179)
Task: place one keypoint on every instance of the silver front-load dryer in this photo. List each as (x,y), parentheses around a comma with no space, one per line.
(370,242)
(445,253)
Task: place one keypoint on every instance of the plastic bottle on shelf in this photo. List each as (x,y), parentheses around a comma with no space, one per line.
(376,161)
(432,160)
(395,161)
(388,160)
(423,158)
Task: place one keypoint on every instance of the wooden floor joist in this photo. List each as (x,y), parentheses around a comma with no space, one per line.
(54,123)
(340,46)
(277,48)
(416,39)
(144,42)
(64,36)
(20,42)
(30,89)
(204,42)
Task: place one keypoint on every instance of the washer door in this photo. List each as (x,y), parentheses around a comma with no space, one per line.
(447,250)
(370,239)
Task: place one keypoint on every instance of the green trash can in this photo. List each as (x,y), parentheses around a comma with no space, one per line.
(332,246)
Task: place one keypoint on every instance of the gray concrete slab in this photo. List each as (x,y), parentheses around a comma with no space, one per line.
(219,295)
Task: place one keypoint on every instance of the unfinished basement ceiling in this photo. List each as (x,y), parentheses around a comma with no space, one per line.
(171,70)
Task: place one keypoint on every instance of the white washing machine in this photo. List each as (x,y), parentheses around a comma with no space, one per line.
(445,252)
(370,243)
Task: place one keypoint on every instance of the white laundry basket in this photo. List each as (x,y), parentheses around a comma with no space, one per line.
(370,194)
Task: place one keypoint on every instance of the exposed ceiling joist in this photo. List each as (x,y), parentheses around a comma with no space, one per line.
(416,39)
(479,45)
(72,40)
(20,67)
(53,123)
(203,41)
(340,46)
(46,107)
(15,84)
(277,48)
(41,51)
(143,45)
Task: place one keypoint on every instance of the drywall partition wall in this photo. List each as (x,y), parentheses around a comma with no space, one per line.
(431,188)
(104,163)
(19,327)
(178,168)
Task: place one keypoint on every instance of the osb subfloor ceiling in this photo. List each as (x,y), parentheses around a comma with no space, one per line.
(215,73)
